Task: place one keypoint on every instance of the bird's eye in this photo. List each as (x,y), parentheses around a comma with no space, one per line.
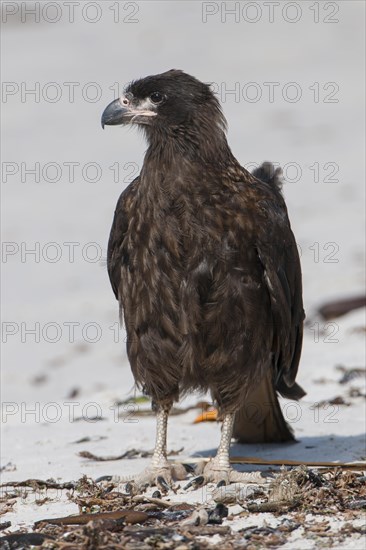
(156,97)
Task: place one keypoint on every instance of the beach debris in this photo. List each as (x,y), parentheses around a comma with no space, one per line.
(131,453)
(22,540)
(95,418)
(110,519)
(350,373)
(338,400)
(199,517)
(355,392)
(73,393)
(9,467)
(128,516)
(210,415)
(88,439)
(287,462)
(235,493)
(39,379)
(337,308)
(132,406)
(41,484)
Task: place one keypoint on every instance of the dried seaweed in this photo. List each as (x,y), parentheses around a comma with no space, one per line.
(129,516)
(337,308)
(350,373)
(40,484)
(338,400)
(298,497)
(131,453)
(309,491)
(9,467)
(22,540)
(285,462)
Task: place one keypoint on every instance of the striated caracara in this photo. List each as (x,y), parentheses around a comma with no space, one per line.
(204,264)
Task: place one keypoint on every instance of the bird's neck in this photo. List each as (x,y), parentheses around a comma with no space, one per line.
(177,145)
(169,171)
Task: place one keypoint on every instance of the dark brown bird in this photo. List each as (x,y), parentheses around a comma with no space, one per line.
(204,264)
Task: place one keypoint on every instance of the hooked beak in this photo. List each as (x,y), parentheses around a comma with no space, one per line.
(124,113)
(115,113)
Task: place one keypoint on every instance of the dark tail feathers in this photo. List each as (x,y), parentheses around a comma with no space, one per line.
(267,173)
(260,419)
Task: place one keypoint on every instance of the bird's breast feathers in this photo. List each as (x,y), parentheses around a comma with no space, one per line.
(189,239)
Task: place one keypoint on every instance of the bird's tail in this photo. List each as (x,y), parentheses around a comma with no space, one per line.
(267,173)
(260,418)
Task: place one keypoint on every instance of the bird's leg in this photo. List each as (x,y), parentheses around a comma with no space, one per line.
(218,469)
(160,472)
(221,462)
(159,458)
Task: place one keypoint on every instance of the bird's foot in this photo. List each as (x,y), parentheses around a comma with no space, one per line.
(214,472)
(162,476)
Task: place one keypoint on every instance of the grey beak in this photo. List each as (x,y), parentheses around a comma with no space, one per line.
(115,114)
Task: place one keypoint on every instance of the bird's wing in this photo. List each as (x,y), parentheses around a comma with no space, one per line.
(277,251)
(118,230)
(278,254)
(283,281)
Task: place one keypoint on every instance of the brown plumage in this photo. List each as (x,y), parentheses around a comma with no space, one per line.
(203,262)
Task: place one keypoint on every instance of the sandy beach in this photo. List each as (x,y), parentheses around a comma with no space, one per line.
(291,81)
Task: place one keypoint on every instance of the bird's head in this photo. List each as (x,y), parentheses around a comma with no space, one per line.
(172,104)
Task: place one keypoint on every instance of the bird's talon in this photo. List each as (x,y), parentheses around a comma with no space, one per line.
(103,478)
(221,483)
(162,484)
(188,486)
(161,476)
(195,483)
(189,468)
